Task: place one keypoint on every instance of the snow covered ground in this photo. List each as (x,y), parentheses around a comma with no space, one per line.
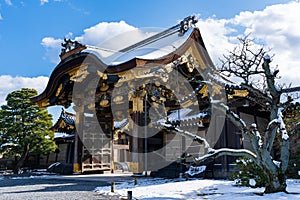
(167,189)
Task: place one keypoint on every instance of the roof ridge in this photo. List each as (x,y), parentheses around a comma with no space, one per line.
(180,28)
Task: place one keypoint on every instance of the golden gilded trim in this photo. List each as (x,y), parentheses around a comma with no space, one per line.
(238,93)
(44,103)
(102,75)
(118,99)
(160,72)
(216,89)
(204,91)
(76,168)
(104,87)
(136,167)
(137,98)
(58,90)
(104,103)
(79,74)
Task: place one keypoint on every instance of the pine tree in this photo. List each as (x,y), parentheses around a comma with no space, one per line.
(24,127)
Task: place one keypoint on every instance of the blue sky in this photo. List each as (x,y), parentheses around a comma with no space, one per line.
(31,31)
(25,23)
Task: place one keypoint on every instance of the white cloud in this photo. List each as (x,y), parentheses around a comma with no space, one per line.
(53,47)
(50,42)
(44,2)
(8,2)
(98,35)
(276,25)
(104,31)
(1,18)
(215,36)
(9,84)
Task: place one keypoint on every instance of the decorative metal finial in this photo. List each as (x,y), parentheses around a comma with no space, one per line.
(187,23)
(69,45)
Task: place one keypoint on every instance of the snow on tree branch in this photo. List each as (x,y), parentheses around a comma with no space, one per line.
(280,124)
(219,79)
(197,138)
(234,117)
(225,151)
(253,129)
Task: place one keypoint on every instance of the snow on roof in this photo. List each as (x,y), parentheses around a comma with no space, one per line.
(221,79)
(69,118)
(155,49)
(182,115)
(177,114)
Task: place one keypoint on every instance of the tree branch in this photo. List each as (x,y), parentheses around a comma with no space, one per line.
(270,78)
(292,89)
(225,151)
(244,61)
(231,115)
(260,98)
(186,134)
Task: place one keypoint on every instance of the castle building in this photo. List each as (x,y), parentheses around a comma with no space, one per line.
(136,103)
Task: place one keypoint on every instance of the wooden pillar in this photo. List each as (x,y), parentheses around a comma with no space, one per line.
(77,160)
(137,146)
(76,164)
(112,161)
(137,141)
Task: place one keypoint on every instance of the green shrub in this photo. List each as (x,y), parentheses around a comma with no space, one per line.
(249,174)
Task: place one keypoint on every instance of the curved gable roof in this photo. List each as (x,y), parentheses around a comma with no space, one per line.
(65,123)
(162,48)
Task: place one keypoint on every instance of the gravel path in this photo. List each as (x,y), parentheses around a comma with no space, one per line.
(45,187)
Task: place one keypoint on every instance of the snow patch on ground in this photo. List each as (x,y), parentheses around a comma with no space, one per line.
(173,189)
(195,170)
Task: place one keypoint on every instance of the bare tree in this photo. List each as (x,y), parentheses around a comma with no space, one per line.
(245,63)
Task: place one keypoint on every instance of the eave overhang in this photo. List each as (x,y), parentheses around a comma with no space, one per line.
(59,80)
